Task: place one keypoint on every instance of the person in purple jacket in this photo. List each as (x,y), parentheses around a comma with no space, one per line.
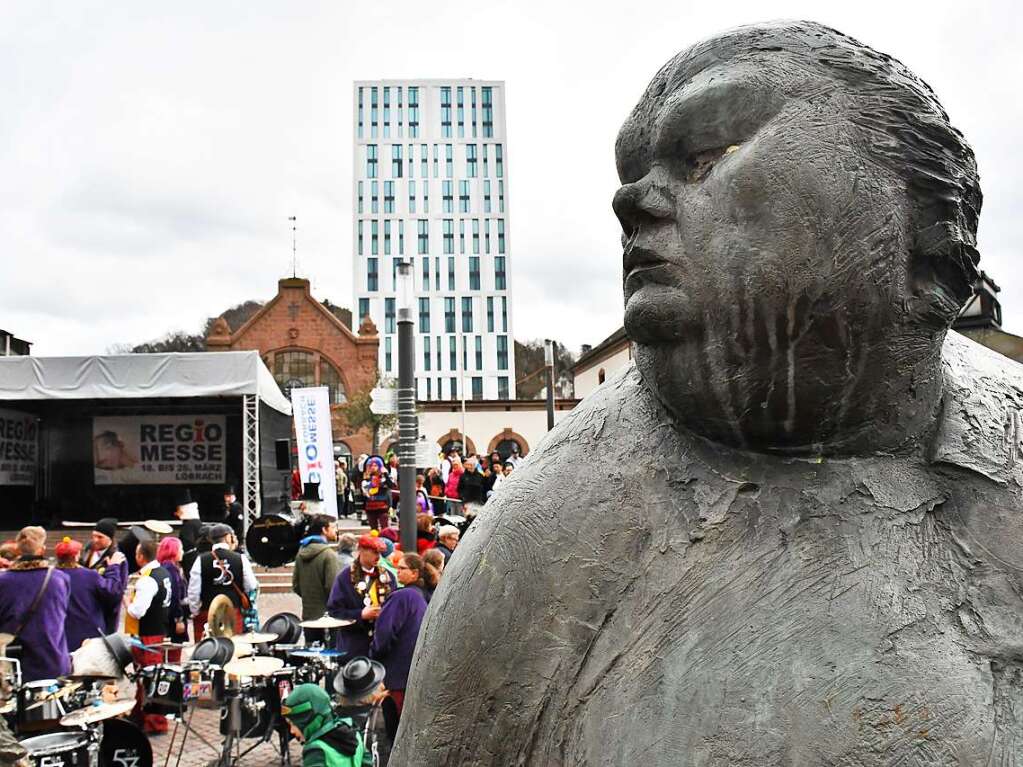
(93,595)
(99,556)
(39,630)
(359,592)
(397,629)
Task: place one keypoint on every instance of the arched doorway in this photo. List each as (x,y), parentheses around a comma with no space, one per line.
(453,441)
(509,444)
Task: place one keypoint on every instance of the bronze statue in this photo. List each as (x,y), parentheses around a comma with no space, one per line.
(790,534)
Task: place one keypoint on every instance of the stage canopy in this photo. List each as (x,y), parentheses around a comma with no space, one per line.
(141,376)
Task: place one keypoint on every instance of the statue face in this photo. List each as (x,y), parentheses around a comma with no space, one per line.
(748,207)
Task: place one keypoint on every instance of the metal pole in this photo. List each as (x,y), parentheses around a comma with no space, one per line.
(408,427)
(461,386)
(549,360)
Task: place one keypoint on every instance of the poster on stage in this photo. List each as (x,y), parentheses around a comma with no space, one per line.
(311,407)
(19,448)
(159,449)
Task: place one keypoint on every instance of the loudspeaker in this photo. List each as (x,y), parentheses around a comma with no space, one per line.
(282,450)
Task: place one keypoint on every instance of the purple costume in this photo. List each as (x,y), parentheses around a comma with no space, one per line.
(111,613)
(93,598)
(394,639)
(346,602)
(44,652)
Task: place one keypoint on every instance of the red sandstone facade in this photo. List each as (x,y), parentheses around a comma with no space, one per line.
(304,344)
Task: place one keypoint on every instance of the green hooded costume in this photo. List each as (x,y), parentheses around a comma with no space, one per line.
(329,741)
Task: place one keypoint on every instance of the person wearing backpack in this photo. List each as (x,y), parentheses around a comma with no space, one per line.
(328,740)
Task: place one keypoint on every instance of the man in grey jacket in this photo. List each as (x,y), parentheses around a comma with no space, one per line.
(316,567)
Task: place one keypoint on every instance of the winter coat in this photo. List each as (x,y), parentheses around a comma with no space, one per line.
(451,487)
(44,652)
(92,597)
(470,487)
(316,569)
(397,629)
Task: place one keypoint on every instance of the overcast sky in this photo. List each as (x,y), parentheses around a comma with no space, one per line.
(150,154)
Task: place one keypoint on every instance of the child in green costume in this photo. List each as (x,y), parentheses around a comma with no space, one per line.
(329,741)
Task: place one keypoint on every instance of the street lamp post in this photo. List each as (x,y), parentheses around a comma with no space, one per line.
(408,428)
(548,353)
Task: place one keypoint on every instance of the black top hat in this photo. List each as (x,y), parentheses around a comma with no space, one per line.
(311,491)
(359,676)
(182,496)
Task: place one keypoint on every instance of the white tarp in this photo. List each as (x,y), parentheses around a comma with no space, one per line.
(140,376)
(315,443)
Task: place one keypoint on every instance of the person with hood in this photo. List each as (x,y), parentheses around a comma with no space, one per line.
(328,740)
(376,487)
(316,568)
(99,557)
(92,595)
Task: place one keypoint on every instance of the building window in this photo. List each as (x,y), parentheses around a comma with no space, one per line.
(387,112)
(387,237)
(426,274)
(360,112)
(436,273)
(449,160)
(500,235)
(490,314)
(412,196)
(426,346)
(502,352)
(372,276)
(387,354)
(436,161)
(453,356)
(363,309)
(374,237)
(399,112)
(360,195)
(394,274)
(454,387)
(396,163)
(467,314)
(474,272)
(502,387)
(479,352)
(451,273)
(500,196)
(424,160)
(297,369)
(388,197)
(437,350)
(358,239)
(470,160)
(426,197)
(445,112)
(447,195)
(373,112)
(411,164)
(424,236)
(424,316)
(486,162)
(499,160)
(465,353)
(500,280)
(473,92)
(371,160)
(449,315)
(429,393)
(461,235)
(504,313)
(401,237)
(463,196)
(476,236)
(413,112)
(486,196)
(449,236)
(389,323)
(477,387)
(486,234)
(374,197)
(461,112)
(488,112)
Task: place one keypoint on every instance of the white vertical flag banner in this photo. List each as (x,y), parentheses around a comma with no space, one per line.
(315,442)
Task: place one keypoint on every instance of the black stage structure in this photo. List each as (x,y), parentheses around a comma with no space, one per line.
(66,395)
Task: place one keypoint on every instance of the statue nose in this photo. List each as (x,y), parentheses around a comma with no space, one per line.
(640,203)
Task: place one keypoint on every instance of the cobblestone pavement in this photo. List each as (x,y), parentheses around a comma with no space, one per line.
(207,722)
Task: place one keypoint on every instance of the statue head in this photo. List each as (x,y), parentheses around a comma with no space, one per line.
(799,225)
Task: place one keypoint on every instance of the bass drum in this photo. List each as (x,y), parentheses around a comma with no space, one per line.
(272,540)
(124,744)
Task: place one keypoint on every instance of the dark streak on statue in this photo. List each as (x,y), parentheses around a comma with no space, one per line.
(791,533)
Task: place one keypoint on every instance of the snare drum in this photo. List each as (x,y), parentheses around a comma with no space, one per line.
(39,708)
(59,749)
(166,686)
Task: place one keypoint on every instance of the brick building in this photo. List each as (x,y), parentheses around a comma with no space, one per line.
(304,344)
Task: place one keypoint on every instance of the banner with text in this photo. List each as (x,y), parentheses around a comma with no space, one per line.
(19,448)
(315,442)
(159,449)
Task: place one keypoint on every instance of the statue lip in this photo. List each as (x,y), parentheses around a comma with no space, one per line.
(637,259)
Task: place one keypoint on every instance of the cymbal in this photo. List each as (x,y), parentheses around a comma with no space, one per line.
(221,617)
(97,713)
(256,637)
(257,665)
(322,652)
(326,622)
(241,649)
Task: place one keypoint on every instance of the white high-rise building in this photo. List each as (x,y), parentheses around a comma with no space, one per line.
(431,185)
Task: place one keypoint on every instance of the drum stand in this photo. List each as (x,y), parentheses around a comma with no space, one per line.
(181,720)
(234,733)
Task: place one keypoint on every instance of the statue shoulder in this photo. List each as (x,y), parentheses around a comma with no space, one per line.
(981,422)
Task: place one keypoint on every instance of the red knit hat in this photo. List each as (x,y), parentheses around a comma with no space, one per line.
(68,549)
(372,543)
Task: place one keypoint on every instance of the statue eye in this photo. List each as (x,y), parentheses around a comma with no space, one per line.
(698,165)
